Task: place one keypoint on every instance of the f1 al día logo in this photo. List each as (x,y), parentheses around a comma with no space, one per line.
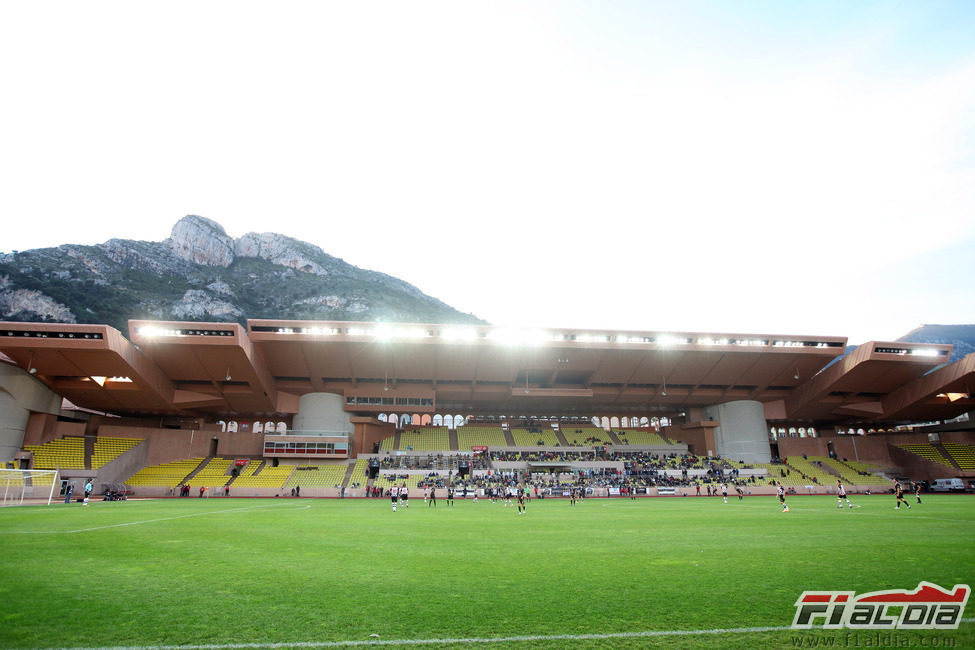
(929,607)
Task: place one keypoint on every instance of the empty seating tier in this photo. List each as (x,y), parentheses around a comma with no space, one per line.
(479,436)
(268,477)
(577,436)
(359,475)
(325,476)
(108,449)
(815,473)
(425,438)
(165,475)
(65,453)
(928,452)
(848,473)
(643,437)
(544,438)
(964,455)
(216,473)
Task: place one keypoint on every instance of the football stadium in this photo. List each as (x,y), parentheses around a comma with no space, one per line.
(339,484)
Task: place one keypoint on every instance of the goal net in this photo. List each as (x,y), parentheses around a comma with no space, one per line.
(20,486)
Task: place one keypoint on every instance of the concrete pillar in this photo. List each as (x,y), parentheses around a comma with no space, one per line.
(13,424)
(322,412)
(742,433)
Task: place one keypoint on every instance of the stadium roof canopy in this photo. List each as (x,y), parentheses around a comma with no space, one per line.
(225,369)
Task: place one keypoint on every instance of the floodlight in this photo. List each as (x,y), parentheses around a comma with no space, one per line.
(383,332)
(459,334)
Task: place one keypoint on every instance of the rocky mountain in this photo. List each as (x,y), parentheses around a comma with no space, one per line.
(961,336)
(202,274)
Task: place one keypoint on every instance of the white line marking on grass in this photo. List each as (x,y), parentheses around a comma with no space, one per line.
(485,640)
(144,521)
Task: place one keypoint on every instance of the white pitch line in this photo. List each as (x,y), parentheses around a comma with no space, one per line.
(470,640)
(137,523)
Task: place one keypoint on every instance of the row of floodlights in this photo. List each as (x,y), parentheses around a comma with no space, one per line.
(917,352)
(52,335)
(155,330)
(513,336)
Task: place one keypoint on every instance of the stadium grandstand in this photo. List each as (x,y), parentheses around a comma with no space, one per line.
(330,408)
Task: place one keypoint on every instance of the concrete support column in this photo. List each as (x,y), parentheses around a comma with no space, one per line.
(742,433)
(322,412)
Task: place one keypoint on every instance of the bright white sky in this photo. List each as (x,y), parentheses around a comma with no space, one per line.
(754,167)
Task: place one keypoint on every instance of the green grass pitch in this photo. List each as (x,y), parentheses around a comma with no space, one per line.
(607,573)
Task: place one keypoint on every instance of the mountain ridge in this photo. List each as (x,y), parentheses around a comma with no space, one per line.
(199,273)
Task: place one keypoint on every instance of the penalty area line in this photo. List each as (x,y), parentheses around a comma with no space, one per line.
(470,640)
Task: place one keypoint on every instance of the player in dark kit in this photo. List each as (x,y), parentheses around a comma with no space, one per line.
(433,497)
(521,501)
(450,495)
(899,491)
(917,490)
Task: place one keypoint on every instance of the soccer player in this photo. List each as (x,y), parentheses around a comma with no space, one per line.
(404,495)
(780,491)
(841,495)
(394,495)
(572,496)
(521,500)
(724,492)
(433,497)
(738,491)
(899,491)
(917,490)
(426,493)
(450,495)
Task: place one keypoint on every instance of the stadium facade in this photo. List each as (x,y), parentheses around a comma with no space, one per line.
(334,390)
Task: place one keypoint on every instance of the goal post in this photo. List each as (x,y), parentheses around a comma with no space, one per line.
(18,486)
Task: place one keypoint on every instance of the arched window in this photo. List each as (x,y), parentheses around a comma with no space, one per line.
(437,420)
(604,422)
(802,432)
(614,422)
(460,420)
(258,427)
(772,434)
(861,432)
(382,417)
(425,420)
(792,432)
(223,426)
(394,419)
(644,422)
(811,431)
(232,426)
